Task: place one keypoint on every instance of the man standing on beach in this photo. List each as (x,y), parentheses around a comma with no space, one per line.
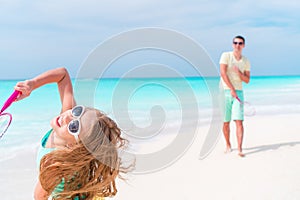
(234,69)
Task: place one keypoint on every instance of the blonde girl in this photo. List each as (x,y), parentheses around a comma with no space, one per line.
(78,158)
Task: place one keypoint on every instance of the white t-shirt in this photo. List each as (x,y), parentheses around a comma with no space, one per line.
(243,64)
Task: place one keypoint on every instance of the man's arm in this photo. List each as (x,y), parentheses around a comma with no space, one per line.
(243,76)
(223,70)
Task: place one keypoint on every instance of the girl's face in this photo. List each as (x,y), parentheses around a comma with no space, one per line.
(60,124)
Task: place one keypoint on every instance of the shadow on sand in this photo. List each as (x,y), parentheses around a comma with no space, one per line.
(268,147)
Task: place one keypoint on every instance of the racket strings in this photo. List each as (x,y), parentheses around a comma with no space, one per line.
(249,110)
(5,120)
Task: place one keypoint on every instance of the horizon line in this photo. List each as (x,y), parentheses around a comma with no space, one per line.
(161,77)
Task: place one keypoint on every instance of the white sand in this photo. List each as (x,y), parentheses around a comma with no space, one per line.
(19,175)
(270,170)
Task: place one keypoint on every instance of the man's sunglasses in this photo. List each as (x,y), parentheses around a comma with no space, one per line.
(239,43)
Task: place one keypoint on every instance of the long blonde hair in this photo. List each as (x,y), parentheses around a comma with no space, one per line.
(89,168)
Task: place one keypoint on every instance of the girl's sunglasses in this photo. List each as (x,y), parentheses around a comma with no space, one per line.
(74,125)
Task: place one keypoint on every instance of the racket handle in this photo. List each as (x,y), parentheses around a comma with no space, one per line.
(11,99)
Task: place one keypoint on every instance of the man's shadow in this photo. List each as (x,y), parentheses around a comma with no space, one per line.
(268,147)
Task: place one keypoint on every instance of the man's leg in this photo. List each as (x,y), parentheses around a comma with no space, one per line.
(226,132)
(239,135)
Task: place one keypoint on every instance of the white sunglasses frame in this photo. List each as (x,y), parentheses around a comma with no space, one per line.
(76,118)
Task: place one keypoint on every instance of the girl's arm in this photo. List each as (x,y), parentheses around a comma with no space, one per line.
(39,192)
(59,76)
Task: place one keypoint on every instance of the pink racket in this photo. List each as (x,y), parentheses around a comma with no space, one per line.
(249,109)
(6,118)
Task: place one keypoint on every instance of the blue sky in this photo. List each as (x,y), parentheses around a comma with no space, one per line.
(40,35)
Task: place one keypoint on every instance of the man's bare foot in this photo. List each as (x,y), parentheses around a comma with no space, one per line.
(228,149)
(241,154)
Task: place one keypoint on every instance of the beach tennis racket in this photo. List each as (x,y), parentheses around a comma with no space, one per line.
(6,118)
(249,109)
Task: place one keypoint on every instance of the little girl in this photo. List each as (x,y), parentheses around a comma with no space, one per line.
(78,158)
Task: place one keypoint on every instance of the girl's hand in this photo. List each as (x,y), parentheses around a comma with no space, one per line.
(25,87)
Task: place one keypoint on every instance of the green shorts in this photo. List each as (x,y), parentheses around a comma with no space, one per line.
(233,109)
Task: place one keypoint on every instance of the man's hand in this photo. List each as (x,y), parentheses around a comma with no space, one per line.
(233,93)
(237,70)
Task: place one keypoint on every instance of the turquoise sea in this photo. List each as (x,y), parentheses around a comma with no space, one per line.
(139,101)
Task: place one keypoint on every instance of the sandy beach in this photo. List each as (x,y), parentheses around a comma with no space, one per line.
(270,170)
